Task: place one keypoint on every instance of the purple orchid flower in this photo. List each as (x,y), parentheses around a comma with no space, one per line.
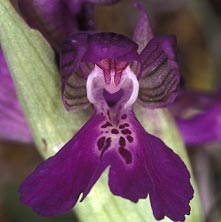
(13,125)
(58,19)
(207,115)
(106,70)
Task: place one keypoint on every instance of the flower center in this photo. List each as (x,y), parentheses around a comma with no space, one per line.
(113,88)
(112,83)
(112,71)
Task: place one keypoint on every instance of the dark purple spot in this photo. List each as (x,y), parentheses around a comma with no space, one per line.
(126,131)
(105,148)
(122,126)
(125,154)
(114,131)
(130,139)
(108,141)
(107,145)
(124,116)
(122,141)
(100,142)
(106,125)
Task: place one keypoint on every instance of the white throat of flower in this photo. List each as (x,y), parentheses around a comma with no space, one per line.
(96,81)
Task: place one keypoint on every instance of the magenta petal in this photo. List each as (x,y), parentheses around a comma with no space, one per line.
(130,182)
(195,131)
(94,47)
(187,100)
(13,125)
(171,191)
(155,170)
(74,92)
(52,18)
(55,186)
(143,32)
(160,79)
(108,45)
(72,53)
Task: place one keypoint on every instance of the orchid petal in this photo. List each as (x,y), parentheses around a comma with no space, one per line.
(13,123)
(193,100)
(195,131)
(143,32)
(55,186)
(160,79)
(74,92)
(110,45)
(149,167)
(52,18)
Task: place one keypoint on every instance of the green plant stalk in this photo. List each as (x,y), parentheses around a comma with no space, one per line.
(37,80)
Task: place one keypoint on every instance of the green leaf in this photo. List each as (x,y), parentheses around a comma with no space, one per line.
(37,79)
(32,65)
